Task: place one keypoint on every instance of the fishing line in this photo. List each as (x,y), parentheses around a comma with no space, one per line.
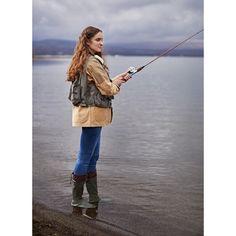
(133,70)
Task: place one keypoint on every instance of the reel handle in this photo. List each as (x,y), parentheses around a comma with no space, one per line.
(132,70)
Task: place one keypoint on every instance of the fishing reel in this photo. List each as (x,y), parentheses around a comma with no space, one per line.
(132,71)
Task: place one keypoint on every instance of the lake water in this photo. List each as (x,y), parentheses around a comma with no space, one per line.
(150,172)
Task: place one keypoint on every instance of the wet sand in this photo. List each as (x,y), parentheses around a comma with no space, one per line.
(47,221)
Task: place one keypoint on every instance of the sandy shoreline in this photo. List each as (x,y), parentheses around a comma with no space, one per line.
(48,221)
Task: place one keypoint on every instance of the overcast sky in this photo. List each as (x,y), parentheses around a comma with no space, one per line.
(121,20)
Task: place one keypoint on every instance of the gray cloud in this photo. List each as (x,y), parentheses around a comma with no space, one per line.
(120,20)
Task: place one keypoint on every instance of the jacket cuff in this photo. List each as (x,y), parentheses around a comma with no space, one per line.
(117,87)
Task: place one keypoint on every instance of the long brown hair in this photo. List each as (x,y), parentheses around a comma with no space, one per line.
(81,52)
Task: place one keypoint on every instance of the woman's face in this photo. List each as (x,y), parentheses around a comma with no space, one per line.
(96,42)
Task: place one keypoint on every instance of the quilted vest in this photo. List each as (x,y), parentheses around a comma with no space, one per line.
(85,93)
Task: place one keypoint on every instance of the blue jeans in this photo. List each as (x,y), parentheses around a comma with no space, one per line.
(89,150)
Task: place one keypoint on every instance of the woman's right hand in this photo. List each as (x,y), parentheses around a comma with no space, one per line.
(121,78)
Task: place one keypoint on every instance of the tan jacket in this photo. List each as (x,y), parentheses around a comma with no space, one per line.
(95,116)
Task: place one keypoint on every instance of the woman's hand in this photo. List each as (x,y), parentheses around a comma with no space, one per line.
(121,78)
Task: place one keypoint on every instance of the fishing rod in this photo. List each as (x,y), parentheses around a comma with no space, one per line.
(133,70)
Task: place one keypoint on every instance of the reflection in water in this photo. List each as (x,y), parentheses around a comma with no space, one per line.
(151,164)
(90,213)
(77,211)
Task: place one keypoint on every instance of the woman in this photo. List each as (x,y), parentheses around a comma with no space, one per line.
(94,110)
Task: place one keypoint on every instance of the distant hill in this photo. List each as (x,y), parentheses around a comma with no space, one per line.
(66,47)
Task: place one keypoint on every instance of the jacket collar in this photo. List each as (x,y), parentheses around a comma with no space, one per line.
(100,59)
(96,56)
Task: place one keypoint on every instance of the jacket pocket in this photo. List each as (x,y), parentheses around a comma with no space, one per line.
(80,114)
(101,115)
(83,114)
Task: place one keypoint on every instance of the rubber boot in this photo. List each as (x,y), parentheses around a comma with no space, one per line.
(77,189)
(91,185)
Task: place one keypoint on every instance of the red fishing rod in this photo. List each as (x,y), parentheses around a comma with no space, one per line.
(133,70)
